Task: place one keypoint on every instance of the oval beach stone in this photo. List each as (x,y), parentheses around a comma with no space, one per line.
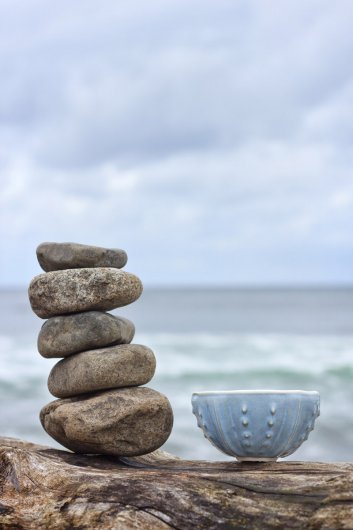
(90,371)
(123,422)
(76,290)
(64,335)
(59,256)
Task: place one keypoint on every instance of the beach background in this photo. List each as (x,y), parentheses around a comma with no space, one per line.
(220,338)
(213,142)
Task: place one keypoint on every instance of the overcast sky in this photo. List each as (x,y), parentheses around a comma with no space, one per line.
(212,140)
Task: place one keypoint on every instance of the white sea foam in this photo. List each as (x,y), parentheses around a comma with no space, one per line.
(184,354)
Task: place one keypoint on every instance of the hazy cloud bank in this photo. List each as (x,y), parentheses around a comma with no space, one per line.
(211,140)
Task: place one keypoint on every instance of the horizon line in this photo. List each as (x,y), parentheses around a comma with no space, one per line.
(221,286)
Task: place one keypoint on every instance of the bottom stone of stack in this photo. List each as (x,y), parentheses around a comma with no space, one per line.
(122,422)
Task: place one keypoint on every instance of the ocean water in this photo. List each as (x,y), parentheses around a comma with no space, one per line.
(208,339)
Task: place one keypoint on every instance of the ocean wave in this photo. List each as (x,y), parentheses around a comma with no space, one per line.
(205,355)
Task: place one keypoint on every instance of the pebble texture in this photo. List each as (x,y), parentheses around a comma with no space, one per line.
(76,290)
(59,256)
(123,422)
(64,335)
(89,371)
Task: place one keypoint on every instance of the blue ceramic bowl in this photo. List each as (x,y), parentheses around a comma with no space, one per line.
(256,425)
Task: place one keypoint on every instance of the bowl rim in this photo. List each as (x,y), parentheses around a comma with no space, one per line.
(256,391)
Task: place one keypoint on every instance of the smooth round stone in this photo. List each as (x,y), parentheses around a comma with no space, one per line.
(59,256)
(64,335)
(76,290)
(90,371)
(123,422)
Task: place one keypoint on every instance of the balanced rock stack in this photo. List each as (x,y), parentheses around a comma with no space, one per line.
(101,407)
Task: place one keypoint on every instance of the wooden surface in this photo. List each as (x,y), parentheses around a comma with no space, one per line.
(43,488)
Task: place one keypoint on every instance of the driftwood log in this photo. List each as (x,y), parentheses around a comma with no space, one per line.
(44,488)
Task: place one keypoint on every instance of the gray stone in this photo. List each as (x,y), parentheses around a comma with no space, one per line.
(59,256)
(123,422)
(90,371)
(76,290)
(64,335)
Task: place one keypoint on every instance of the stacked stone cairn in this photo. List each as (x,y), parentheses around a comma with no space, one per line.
(102,409)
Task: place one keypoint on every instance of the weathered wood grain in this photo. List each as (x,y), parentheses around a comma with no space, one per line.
(43,488)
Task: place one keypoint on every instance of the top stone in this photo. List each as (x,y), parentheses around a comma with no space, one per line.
(60,256)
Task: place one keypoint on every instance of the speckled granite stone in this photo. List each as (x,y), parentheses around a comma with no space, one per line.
(76,290)
(123,422)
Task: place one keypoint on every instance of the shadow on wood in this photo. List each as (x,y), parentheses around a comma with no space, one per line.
(43,488)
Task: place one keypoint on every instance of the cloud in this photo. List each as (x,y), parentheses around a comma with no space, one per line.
(211,140)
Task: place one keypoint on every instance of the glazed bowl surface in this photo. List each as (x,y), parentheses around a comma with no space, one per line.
(256,425)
